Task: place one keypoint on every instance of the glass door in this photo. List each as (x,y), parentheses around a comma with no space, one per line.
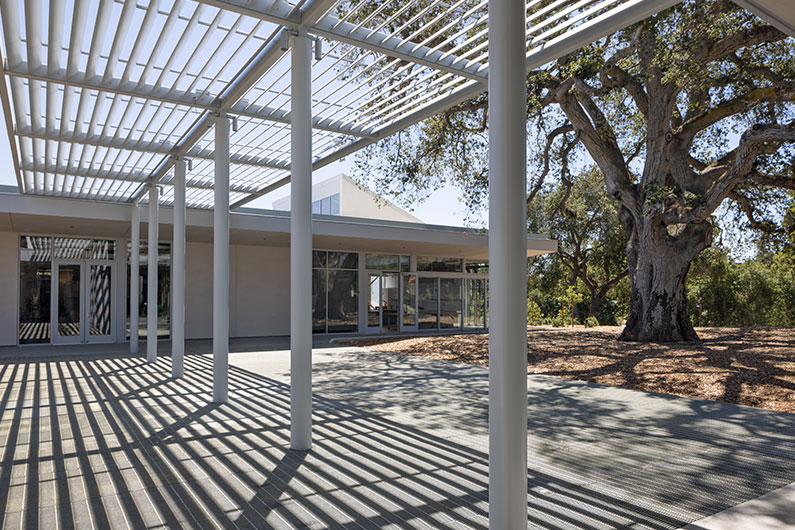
(98,293)
(408,303)
(67,307)
(428,303)
(390,301)
(383,301)
(82,302)
(373,302)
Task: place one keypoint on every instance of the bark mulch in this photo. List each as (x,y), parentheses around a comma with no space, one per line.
(753,366)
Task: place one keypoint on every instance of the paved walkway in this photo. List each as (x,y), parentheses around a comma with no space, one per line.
(400,442)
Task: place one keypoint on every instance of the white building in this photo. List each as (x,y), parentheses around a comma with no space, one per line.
(65,267)
(340,195)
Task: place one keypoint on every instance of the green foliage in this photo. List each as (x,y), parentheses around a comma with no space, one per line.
(591,322)
(724,292)
(534,314)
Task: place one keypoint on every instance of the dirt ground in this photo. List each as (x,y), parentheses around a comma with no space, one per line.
(754,366)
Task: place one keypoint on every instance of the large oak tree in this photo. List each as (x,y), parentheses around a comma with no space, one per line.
(682,113)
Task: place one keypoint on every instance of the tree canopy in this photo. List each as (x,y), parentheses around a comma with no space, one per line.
(682,113)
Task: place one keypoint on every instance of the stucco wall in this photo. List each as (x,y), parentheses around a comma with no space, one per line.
(9,287)
(259,291)
(198,290)
(356,202)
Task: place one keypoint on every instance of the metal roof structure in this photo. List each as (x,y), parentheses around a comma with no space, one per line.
(100,95)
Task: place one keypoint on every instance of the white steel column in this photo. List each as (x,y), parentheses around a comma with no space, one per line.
(507,266)
(135,260)
(178,272)
(301,245)
(221,262)
(151,276)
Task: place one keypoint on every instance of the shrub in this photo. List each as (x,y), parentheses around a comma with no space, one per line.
(534,314)
(591,322)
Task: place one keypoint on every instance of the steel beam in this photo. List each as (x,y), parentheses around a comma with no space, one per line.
(221,262)
(507,267)
(119,176)
(301,245)
(110,142)
(631,12)
(151,275)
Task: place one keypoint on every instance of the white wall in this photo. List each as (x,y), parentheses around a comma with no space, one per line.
(356,202)
(9,287)
(198,290)
(259,291)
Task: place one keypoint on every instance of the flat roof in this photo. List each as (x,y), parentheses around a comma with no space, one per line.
(249,226)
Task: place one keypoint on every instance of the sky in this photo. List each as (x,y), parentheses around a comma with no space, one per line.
(443,207)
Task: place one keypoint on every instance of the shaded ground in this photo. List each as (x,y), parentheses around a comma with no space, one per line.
(754,366)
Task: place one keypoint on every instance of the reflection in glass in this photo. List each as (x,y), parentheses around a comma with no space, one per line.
(343,301)
(99,297)
(382,262)
(318,301)
(475,314)
(69,300)
(433,264)
(428,303)
(409,300)
(163,289)
(450,302)
(343,260)
(34,302)
(374,300)
(390,299)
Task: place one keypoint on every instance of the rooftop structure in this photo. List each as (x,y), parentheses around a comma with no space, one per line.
(340,195)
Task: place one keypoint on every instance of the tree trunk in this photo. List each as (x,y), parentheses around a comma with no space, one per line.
(595,307)
(658,265)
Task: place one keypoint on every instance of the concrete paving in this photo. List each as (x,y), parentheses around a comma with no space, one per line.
(771,511)
(108,441)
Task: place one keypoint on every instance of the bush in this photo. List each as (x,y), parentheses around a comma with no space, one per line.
(534,314)
(591,322)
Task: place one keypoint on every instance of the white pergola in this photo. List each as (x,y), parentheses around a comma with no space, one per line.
(214,103)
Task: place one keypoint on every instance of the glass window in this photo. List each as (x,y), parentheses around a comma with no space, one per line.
(69,310)
(343,260)
(475,310)
(318,301)
(428,303)
(433,264)
(316,207)
(335,204)
(76,248)
(409,300)
(34,301)
(99,299)
(335,291)
(384,262)
(319,258)
(404,263)
(325,206)
(450,302)
(163,289)
(477,266)
(343,301)
(39,248)
(35,248)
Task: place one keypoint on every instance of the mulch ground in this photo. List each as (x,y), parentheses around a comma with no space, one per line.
(754,366)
